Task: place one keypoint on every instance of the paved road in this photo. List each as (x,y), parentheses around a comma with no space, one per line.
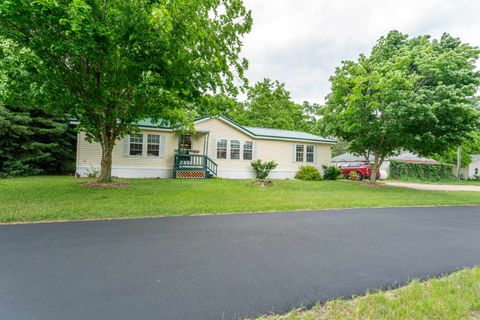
(436,187)
(214,267)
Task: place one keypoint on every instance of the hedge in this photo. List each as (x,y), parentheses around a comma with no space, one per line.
(435,172)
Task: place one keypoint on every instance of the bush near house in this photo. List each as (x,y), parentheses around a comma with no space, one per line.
(331,173)
(433,172)
(308,173)
(262,169)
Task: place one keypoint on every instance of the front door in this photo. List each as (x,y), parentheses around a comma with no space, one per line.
(186,143)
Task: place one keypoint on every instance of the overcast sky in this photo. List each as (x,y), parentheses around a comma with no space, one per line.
(300,42)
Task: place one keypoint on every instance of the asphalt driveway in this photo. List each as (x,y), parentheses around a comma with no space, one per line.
(433,187)
(224,267)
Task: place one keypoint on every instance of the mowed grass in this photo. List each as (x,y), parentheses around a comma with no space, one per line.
(64,198)
(456,296)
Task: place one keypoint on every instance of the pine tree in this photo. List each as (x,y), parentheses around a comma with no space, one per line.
(32,140)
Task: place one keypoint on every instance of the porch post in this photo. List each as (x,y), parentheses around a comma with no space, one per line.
(179,142)
(205,144)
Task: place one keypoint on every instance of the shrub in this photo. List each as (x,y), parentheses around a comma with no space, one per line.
(433,172)
(18,168)
(92,172)
(262,169)
(331,173)
(308,173)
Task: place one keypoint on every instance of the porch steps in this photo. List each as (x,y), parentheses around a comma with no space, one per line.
(194,166)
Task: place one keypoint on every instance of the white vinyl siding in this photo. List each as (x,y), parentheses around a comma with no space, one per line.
(282,152)
(162,146)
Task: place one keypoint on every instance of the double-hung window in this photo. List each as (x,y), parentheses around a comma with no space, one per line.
(299,150)
(310,153)
(222,149)
(234,149)
(136,144)
(153,145)
(305,153)
(247,150)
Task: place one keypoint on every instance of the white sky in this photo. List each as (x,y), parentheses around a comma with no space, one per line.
(300,42)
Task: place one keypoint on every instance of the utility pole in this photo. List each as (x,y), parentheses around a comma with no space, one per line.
(459,161)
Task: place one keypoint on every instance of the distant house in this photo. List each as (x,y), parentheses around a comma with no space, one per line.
(217,147)
(408,157)
(471,171)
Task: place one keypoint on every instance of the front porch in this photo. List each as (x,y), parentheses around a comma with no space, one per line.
(191,159)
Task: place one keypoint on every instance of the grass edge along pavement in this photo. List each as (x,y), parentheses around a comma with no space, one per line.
(456,296)
(57,198)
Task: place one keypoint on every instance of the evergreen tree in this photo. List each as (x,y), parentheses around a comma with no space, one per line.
(32,140)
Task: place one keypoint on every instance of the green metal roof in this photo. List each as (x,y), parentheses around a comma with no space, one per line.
(254,131)
(286,134)
(148,122)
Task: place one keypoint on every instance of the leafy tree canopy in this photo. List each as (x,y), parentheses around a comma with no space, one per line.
(270,105)
(414,94)
(470,146)
(113,62)
(32,141)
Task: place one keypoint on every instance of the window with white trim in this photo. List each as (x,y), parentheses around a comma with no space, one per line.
(305,153)
(476,171)
(234,150)
(222,149)
(153,145)
(310,153)
(247,150)
(299,150)
(136,144)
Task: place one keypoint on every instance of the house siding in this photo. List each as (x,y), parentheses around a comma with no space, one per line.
(279,151)
(469,172)
(89,154)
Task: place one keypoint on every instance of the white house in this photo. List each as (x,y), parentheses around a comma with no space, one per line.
(472,171)
(218,147)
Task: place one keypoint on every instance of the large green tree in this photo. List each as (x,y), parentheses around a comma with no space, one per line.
(32,141)
(469,147)
(111,63)
(270,105)
(414,94)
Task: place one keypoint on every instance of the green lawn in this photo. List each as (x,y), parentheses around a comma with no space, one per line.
(454,297)
(64,198)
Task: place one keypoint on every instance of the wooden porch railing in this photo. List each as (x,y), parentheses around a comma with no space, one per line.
(193,161)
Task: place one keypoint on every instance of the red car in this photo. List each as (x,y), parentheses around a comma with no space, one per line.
(362,169)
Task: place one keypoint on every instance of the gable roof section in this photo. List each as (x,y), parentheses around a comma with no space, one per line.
(254,132)
(271,134)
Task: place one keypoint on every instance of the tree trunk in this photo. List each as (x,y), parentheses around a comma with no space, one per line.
(377,162)
(106,164)
(373,173)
